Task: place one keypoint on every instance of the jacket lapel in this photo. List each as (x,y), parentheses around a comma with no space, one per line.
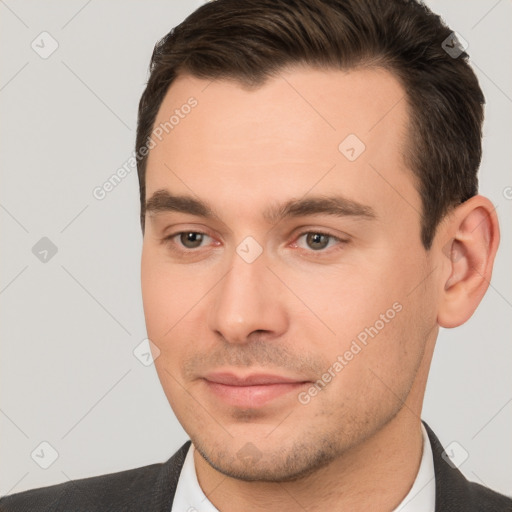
(452,488)
(167,482)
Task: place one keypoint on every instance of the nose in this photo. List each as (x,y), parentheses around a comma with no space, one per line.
(249,299)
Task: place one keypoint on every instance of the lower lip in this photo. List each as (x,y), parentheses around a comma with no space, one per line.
(252,396)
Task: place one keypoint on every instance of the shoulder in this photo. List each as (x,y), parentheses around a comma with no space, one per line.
(144,488)
(484,498)
(455,493)
(85,493)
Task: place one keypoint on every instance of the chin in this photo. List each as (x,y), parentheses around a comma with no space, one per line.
(251,464)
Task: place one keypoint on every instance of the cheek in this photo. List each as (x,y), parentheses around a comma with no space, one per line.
(166,300)
(345,299)
(175,307)
(168,293)
(375,324)
(374,373)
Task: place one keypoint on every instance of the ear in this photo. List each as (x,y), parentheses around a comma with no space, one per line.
(470,239)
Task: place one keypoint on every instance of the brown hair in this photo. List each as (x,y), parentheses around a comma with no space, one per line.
(252,40)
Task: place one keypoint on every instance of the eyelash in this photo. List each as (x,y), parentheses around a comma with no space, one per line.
(168,240)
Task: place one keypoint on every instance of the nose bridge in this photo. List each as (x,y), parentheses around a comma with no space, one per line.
(246,299)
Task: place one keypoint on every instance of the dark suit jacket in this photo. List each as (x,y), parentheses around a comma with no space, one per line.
(151,489)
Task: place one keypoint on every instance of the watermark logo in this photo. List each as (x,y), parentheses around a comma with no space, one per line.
(101,191)
(44,45)
(249,454)
(44,250)
(351,147)
(454,45)
(146,352)
(356,346)
(44,455)
(249,249)
(451,252)
(455,454)
(174,120)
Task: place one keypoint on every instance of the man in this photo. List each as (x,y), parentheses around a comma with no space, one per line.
(310,214)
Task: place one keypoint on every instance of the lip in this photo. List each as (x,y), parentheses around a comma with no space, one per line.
(250,391)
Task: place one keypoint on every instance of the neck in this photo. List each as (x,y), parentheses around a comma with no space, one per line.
(376,475)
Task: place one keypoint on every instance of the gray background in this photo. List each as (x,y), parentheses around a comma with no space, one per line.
(69,326)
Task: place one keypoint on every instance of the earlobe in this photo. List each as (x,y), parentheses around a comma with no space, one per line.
(470,250)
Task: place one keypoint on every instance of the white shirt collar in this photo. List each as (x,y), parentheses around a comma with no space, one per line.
(190,497)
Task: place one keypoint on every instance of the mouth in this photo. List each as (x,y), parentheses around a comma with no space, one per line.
(251,391)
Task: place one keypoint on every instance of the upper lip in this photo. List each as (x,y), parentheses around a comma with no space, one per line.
(254,379)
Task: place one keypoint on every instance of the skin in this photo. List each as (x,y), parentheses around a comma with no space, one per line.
(356,445)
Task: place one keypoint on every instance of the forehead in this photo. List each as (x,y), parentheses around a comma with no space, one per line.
(287,134)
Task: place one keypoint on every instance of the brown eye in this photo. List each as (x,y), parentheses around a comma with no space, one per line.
(317,241)
(191,239)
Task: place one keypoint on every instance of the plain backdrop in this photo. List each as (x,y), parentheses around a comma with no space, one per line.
(69,325)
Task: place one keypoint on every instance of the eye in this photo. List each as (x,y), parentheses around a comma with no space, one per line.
(313,241)
(187,239)
(318,241)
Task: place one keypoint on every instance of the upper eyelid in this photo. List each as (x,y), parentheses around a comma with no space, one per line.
(301,233)
(320,232)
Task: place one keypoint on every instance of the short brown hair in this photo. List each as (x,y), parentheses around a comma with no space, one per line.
(251,40)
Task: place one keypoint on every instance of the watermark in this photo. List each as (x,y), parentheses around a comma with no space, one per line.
(454,45)
(249,249)
(44,45)
(507,193)
(455,454)
(146,352)
(174,120)
(451,252)
(356,346)
(101,191)
(44,455)
(249,454)
(44,250)
(351,147)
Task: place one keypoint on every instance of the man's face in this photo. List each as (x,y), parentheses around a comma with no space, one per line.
(287,341)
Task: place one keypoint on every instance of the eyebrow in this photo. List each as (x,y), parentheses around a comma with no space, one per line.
(338,206)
